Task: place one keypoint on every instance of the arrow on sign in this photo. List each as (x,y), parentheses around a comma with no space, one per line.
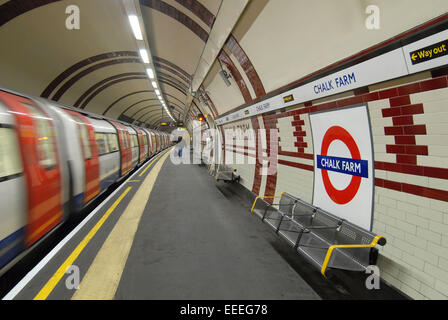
(414,56)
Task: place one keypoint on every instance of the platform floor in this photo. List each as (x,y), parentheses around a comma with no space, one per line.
(190,242)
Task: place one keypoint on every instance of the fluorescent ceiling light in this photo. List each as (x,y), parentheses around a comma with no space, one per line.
(135,25)
(150,73)
(154,84)
(157,92)
(144,55)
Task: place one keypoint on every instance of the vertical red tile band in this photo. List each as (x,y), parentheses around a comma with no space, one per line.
(209,102)
(258,165)
(271,179)
(223,148)
(404,130)
(234,47)
(224,58)
(247,66)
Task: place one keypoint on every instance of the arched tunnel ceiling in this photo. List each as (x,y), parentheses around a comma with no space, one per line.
(97,68)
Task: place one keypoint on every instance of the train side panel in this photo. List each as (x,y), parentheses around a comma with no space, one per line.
(13,192)
(109,154)
(36,132)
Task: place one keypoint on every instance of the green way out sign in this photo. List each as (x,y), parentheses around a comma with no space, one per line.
(433,51)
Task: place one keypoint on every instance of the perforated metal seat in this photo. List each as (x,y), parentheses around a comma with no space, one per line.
(292,226)
(273,215)
(326,240)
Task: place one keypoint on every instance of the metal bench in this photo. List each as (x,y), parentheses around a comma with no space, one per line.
(324,239)
(226,174)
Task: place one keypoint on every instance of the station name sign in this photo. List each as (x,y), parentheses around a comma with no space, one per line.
(424,54)
(348,166)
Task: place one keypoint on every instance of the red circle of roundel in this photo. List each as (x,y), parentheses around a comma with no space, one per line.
(346,195)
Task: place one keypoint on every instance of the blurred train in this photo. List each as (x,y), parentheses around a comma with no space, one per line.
(55,160)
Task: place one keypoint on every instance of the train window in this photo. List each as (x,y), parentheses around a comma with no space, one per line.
(103,145)
(145,139)
(45,138)
(84,135)
(85,141)
(10,162)
(134,140)
(113,142)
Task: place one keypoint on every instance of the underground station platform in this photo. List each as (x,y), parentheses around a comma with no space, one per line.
(171,231)
(234,154)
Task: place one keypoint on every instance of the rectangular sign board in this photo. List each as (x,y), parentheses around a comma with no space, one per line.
(427,53)
(343,164)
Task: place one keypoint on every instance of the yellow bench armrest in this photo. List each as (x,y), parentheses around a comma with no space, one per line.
(331,248)
(264,197)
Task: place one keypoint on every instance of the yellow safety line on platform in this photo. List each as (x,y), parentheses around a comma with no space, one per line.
(51,284)
(143,172)
(104,274)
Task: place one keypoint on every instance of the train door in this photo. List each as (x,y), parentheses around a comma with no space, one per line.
(89,149)
(145,144)
(38,148)
(150,144)
(158,142)
(141,145)
(125,147)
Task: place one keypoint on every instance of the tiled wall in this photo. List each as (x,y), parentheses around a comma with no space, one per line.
(409,124)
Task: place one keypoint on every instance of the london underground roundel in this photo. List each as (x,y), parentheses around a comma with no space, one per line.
(342,146)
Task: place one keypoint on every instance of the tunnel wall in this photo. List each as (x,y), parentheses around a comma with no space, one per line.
(410,171)
(410,199)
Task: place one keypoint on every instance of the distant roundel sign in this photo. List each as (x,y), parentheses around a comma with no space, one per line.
(351,129)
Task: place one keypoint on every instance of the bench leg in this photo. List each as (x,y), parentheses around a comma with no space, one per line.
(279,224)
(298,239)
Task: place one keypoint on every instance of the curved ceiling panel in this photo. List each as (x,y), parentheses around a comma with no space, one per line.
(98,68)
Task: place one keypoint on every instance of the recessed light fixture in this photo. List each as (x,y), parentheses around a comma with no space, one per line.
(154,84)
(135,25)
(144,55)
(150,73)
(157,92)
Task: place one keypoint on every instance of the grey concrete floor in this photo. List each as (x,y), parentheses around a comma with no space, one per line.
(193,243)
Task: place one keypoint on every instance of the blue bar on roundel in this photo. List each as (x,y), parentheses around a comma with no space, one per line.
(353,167)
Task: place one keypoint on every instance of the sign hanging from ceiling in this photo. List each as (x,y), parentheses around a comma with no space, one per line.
(343,164)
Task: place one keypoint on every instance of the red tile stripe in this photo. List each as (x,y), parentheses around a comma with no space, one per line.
(432,172)
(258,165)
(404,129)
(242,147)
(252,155)
(296,154)
(224,58)
(234,47)
(271,179)
(296,165)
(436,194)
